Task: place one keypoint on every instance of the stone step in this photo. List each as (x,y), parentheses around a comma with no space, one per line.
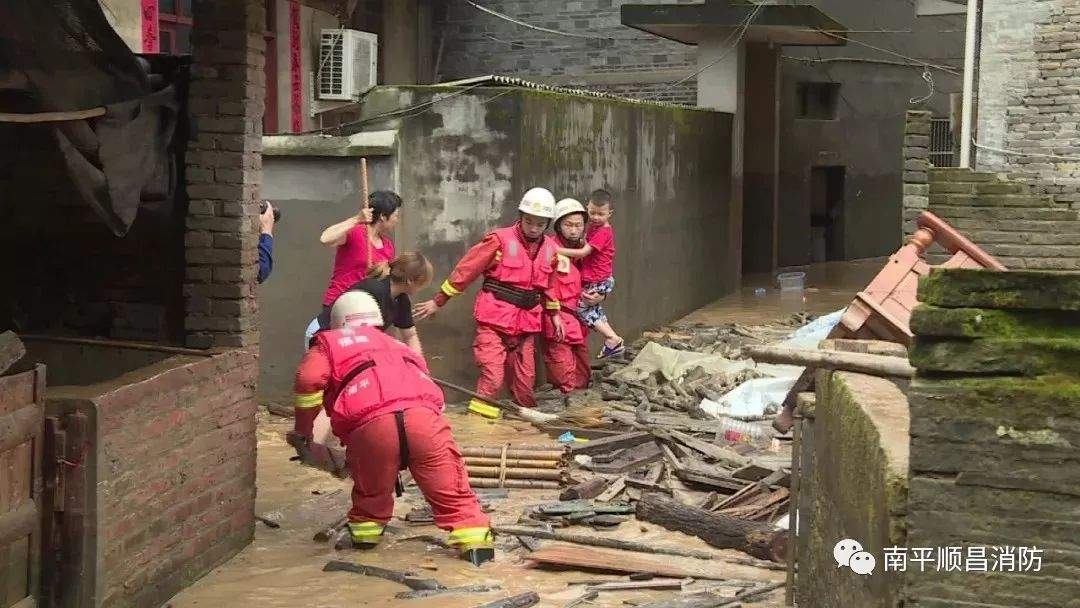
(978,188)
(1027,356)
(964,288)
(940,322)
(995,400)
(992,200)
(953,174)
(1054,264)
(946,212)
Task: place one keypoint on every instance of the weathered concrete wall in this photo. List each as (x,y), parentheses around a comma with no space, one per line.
(853,486)
(462,166)
(869,125)
(994,435)
(628,62)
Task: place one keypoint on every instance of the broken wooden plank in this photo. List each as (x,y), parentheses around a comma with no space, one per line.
(590,489)
(613,490)
(408,579)
(523,600)
(426,593)
(634,459)
(600,541)
(752,472)
(710,600)
(604,559)
(608,444)
(656,583)
(576,506)
(757,539)
(716,452)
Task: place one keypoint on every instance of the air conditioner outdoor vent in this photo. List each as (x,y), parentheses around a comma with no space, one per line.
(347,64)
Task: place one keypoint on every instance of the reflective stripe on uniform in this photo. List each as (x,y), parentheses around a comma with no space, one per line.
(552,305)
(449,289)
(366,531)
(475,537)
(306,401)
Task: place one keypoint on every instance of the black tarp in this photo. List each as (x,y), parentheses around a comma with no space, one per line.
(63,55)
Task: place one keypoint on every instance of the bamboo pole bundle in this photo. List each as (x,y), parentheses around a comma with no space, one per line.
(523,484)
(522,452)
(509,473)
(511,462)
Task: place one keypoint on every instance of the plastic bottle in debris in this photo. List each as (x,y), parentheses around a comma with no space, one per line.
(737,430)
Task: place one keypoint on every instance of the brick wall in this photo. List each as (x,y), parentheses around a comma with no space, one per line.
(1029,94)
(1008,218)
(176,487)
(994,430)
(224,169)
(632,63)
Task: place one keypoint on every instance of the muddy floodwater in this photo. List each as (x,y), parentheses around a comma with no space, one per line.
(283,566)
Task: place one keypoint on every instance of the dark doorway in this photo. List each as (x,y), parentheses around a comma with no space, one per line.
(827,213)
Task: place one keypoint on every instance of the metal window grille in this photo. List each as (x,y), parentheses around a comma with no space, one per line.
(941,143)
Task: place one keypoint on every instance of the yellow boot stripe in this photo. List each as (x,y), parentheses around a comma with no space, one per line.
(305,401)
(366,531)
(477,406)
(470,535)
(552,305)
(449,289)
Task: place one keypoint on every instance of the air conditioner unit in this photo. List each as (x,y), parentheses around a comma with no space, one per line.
(347,64)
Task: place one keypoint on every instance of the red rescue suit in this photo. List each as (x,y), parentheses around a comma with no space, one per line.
(567,360)
(505,331)
(368,379)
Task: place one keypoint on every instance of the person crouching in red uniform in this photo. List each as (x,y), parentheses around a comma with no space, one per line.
(565,348)
(387,411)
(516,262)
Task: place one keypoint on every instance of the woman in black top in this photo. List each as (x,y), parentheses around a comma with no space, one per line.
(392,285)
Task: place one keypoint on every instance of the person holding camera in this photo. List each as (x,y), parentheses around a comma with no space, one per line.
(268,216)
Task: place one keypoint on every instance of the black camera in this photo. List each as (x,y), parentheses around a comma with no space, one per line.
(277,212)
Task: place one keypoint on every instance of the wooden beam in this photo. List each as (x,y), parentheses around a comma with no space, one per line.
(38,117)
(757,539)
(878,365)
(608,444)
(597,558)
(600,541)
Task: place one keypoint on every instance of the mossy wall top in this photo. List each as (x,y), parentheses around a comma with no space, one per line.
(466,159)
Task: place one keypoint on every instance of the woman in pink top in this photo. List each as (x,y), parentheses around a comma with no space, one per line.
(355,239)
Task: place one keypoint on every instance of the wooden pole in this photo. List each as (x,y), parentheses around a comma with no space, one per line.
(516,452)
(755,538)
(524,413)
(515,473)
(600,541)
(364,194)
(511,462)
(520,484)
(878,365)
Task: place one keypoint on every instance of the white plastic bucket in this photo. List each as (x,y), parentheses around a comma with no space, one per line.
(791,281)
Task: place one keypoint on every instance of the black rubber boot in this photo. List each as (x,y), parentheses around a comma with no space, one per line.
(478,556)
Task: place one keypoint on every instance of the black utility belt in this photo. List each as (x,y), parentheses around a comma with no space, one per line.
(522,298)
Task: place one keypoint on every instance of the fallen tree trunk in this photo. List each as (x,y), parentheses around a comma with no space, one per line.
(754,538)
(878,365)
(600,541)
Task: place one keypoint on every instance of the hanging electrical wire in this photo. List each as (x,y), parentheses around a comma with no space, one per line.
(946,69)
(930,83)
(538,28)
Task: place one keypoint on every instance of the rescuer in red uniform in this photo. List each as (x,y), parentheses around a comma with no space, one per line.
(565,348)
(386,410)
(516,262)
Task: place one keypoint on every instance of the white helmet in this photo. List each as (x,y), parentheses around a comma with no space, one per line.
(355,308)
(539,202)
(567,206)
